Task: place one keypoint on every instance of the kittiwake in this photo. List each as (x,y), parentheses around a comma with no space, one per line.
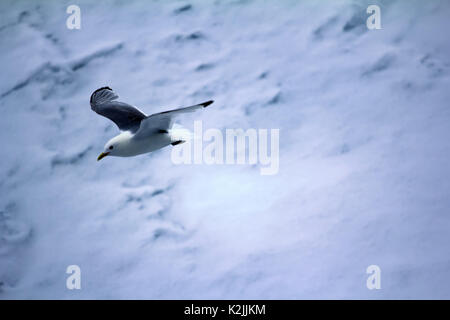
(140,133)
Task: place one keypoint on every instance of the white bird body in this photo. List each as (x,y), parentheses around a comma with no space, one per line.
(140,133)
(126,145)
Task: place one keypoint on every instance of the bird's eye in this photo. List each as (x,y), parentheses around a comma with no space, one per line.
(111,147)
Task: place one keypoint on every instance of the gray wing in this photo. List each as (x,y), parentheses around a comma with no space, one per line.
(163,121)
(125,116)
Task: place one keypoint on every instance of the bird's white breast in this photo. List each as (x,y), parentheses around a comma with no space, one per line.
(133,146)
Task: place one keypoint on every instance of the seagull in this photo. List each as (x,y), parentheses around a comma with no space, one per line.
(139,133)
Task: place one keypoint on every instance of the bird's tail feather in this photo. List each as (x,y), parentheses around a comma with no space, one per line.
(180,133)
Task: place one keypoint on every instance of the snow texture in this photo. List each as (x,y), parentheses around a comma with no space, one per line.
(364,150)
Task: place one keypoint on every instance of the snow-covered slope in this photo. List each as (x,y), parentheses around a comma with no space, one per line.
(364,172)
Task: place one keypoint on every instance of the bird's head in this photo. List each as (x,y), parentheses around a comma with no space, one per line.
(116,146)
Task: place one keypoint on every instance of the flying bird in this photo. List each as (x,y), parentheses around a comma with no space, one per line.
(140,133)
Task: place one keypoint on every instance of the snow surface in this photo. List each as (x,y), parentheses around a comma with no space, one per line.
(364,152)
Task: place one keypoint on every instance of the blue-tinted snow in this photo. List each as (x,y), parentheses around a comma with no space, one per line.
(364,153)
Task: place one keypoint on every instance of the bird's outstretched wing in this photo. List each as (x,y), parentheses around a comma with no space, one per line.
(125,116)
(162,121)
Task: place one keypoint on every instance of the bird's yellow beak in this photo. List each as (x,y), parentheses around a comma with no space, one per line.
(102,155)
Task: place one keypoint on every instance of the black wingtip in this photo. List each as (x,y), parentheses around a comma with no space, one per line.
(99,89)
(207,103)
